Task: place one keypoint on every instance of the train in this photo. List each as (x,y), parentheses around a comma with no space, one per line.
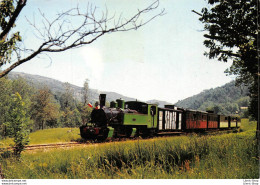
(136,118)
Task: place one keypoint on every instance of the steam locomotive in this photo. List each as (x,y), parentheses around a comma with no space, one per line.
(135,118)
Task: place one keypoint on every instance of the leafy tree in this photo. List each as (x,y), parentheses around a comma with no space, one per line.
(44,108)
(232,107)
(85,92)
(216,109)
(85,112)
(70,116)
(7,89)
(8,17)
(61,34)
(84,109)
(18,124)
(243,101)
(26,91)
(66,99)
(233,28)
(5,103)
(53,122)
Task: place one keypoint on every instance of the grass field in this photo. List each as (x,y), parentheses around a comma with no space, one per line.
(232,156)
(248,125)
(56,135)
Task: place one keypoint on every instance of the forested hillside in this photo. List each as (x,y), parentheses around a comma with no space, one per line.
(45,102)
(227,99)
(38,108)
(57,87)
(39,102)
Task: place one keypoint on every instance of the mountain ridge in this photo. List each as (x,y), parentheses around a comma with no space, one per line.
(57,86)
(225,99)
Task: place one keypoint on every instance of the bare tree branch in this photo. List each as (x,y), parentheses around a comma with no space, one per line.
(196,12)
(61,35)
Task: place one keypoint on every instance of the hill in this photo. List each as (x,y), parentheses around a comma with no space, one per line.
(227,99)
(57,87)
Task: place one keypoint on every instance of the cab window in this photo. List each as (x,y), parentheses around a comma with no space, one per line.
(153,110)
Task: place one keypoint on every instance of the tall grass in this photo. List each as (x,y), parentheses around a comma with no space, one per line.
(232,156)
(226,156)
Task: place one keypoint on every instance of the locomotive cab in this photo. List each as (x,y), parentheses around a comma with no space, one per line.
(141,116)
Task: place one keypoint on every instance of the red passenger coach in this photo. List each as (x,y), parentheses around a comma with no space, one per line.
(202,119)
(212,121)
(191,119)
(196,120)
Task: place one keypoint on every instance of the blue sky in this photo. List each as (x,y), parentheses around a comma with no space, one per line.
(163,60)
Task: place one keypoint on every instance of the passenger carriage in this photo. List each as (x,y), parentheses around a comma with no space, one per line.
(212,120)
(195,120)
(224,121)
(169,119)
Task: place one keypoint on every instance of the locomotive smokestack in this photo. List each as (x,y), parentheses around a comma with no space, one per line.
(102,100)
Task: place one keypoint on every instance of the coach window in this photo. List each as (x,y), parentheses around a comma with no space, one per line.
(144,109)
(204,117)
(194,116)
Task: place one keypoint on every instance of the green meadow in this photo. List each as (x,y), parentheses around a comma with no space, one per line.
(47,136)
(222,156)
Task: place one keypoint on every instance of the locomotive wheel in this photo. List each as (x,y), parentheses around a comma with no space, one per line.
(115,135)
(104,135)
(141,132)
(145,133)
(121,132)
(128,132)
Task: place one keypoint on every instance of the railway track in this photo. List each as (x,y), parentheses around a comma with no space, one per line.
(54,145)
(49,146)
(64,145)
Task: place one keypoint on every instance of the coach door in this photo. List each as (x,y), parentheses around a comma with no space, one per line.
(153,115)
